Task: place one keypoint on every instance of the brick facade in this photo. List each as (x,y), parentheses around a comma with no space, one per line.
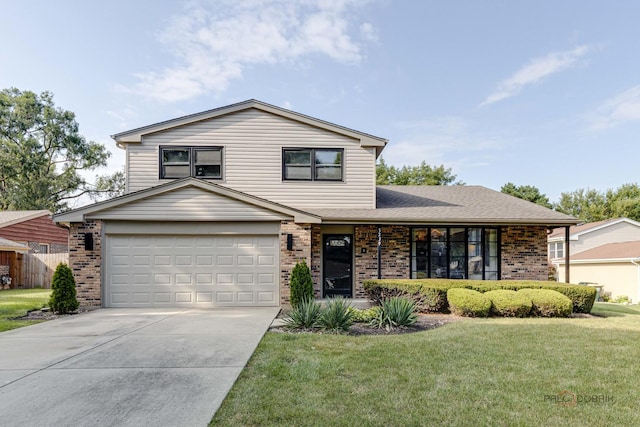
(288,258)
(524,253)
(86,264)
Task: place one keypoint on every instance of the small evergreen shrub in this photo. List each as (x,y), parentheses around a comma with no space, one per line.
(395,312)
(363,316)
(622,299)
(63,291)
(508,303)
(301,284)
(336,316)
(548,303)
(303,316)
(467,302)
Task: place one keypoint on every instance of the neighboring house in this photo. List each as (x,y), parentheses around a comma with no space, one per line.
(26,233)
(591,235)
(35,229)
(9,251)
(615,266)
(220,205)
(603,253)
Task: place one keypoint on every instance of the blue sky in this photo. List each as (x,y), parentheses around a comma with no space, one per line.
(541,93)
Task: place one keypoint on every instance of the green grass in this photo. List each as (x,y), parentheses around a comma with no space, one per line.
(481,372)
(17,302)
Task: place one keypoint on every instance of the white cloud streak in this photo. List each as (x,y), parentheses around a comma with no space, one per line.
(446,140)
(624,107)
(214,42)
(536,70)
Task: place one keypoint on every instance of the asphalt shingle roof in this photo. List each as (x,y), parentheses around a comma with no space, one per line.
(448,204)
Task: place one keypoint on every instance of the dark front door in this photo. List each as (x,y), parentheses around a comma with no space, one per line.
(337,265)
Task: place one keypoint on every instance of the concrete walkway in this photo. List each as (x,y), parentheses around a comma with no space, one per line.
(126,367)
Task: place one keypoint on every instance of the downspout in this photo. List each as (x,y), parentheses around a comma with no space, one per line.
(635,262)
(379,252)
(566,254)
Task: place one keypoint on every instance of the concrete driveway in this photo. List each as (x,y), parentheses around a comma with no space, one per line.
(126,367)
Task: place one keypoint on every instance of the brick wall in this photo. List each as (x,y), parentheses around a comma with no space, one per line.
(395,259)
(86,265)
(288,259)
(316,260)
(524,253)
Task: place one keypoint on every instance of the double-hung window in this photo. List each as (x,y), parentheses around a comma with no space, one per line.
(312,164)
(197,162)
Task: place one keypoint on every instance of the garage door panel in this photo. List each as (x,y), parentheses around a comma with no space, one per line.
(191,270)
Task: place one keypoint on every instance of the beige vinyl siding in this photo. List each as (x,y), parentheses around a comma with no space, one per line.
(618,278)
(617,233)
(252,159)
(189,204)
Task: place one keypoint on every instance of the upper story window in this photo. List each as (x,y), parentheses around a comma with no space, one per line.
(312,164)
(198,162)
(556,250)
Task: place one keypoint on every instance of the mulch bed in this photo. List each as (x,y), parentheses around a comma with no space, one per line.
(46,315)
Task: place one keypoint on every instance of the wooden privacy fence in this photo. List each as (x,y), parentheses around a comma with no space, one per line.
(35,270)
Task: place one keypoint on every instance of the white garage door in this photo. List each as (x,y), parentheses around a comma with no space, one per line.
(145,271)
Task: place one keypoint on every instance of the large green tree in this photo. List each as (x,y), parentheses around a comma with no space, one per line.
(414,175)
(42,154)
(592,205)
(527,192)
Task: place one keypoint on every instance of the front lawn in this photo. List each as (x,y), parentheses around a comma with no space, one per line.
(481,372)
(17,302)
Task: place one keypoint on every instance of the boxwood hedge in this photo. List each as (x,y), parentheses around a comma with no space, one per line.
(430,295)
(508,303)
(548,303)
(467,302)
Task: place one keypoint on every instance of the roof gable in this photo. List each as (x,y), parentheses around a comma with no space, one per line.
(179,200)
(578,230)
(8,218)
(135,135)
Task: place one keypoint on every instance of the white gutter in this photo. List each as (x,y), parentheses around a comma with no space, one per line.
(637,264)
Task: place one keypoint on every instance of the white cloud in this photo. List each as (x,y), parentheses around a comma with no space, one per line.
(447,140)
(623,107)
(535,71)
(213,42)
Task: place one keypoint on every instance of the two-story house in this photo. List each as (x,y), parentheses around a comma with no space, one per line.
(220,205)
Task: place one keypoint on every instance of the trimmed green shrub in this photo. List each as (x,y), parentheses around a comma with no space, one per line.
(426,298)
(63,290)
(304,316)
(395,312)
(548,303)
(336,315)
(363,316)
(467,302)
(301,284)
(431,294)
(508,303)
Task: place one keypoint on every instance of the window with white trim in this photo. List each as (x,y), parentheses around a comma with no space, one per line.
(312,164)
(197,162)
(556,250)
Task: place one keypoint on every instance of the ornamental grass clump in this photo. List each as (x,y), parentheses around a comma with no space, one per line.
(395,312)
(63,291)
(304,316)
(336,316)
